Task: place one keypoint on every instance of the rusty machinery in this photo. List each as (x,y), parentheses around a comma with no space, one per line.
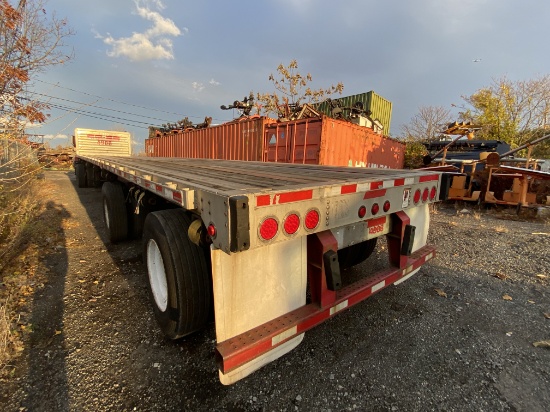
(519,185)
(244,107)
(458,129)
(502,180)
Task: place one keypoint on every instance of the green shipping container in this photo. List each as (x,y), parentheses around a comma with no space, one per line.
(380,107)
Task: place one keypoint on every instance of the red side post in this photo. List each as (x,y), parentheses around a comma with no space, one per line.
(317,245)
(395,239)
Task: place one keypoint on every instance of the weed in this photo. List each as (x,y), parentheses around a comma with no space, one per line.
(501,229)
(4,334)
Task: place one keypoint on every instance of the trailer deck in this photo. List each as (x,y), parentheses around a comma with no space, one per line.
(234,177)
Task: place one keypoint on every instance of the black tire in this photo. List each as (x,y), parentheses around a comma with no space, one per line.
(184,303)
(355,254)
(114,211)
(90,175)
(136,222)
(80,172)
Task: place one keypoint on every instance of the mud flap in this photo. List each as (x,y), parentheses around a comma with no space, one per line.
(253,287)
(420,219)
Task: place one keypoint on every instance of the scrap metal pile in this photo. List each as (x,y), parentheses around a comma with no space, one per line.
(178,127)
(491,177)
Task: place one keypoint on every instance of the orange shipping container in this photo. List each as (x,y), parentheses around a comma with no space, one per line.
(236,140)
(331,142)
(323,141)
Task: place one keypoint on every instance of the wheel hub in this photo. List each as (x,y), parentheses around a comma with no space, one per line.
(157,275)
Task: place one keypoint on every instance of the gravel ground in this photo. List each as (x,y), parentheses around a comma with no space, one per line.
(458,336)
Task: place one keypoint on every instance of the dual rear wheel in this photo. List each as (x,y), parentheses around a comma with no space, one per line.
(178,270)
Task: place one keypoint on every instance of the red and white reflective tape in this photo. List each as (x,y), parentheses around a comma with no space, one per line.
(241,349)
(372,190)
(182,197)
(282,198)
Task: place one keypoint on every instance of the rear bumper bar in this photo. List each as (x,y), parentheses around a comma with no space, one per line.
(242,348)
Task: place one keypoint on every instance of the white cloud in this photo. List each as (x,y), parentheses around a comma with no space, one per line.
(214,82)
(152,44)
(197,86)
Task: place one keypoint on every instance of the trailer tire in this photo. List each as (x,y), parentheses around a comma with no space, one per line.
(114,211)
(355,254)
(80,172)
(180,284)
(90,175)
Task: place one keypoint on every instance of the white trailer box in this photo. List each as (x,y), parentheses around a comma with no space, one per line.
(102,142)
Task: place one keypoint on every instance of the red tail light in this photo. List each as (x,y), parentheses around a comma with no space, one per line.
(433,193)
(291,224)
(211,231)
(386,206)
(269,228)
(312,219)
(362,212)
(417,196)
(375,209)
(425,195)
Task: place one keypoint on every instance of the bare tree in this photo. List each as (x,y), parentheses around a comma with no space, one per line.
(292,89)
(512,111)
(427,124)
(32,40)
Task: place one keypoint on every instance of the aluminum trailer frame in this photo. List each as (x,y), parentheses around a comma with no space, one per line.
(352,205)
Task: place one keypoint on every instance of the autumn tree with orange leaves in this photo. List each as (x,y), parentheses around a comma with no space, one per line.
(32,40)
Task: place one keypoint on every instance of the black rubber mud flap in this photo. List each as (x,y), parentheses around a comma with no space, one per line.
(239,224)
(408,240)
(332,270)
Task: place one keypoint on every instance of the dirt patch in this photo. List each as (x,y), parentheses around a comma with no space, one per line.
(447,339)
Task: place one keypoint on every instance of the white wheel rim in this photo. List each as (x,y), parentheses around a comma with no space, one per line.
(157,275)
(106,213)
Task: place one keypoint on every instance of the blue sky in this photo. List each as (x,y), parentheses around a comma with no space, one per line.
(152,61)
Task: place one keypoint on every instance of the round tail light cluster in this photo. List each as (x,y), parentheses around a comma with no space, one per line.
(270,225)
(312,219)
(425,195)
(269,228)
(417,195)
(291,224)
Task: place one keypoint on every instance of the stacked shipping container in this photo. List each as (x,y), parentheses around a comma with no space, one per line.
(380,108)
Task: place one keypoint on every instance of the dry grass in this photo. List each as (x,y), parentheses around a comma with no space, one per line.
(5,334)
(24,226)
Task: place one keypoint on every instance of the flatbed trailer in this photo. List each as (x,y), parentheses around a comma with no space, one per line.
(251,240)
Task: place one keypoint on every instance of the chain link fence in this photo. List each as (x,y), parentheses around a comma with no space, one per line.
(15,159)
